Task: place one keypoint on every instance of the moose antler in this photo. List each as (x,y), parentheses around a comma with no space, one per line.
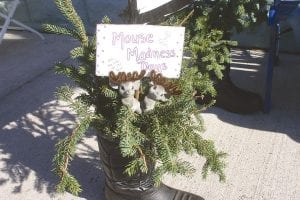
(170,87)
(122,77)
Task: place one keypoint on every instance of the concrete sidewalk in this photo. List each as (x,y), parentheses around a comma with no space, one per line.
(264,149)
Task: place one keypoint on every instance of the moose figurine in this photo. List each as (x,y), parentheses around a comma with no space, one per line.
(128,86)
(160,88)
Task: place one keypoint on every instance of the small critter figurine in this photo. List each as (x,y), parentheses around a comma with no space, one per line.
(158,91)
(128,85)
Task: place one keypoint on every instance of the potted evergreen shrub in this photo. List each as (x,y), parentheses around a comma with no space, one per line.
(136,149)
(229,17)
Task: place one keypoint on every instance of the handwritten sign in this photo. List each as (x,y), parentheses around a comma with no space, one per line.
(139,47)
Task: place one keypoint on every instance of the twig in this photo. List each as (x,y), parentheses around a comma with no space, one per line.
(187,17)
(143,157)
(67,157)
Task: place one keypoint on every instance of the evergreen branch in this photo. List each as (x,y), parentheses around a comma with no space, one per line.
(83,110)
(54,29)
(80,104)
(89,55)
(214,161)
(67,9)
(77,52)
(158,174)
(132,168)
(68,182)
(65,150)
(84,80)
(185,168)
(106,20)
(205,106)
(108,92)
(162,148)
(130,136)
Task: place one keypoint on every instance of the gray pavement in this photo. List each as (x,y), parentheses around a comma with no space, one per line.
(264,149)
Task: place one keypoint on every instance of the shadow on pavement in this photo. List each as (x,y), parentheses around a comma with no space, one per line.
(248,72)
(31,124)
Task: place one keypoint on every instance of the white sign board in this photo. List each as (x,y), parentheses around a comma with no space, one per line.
(146,5)
(128,48)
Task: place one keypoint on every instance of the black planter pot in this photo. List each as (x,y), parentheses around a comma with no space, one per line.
(234,99)
(119,186)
